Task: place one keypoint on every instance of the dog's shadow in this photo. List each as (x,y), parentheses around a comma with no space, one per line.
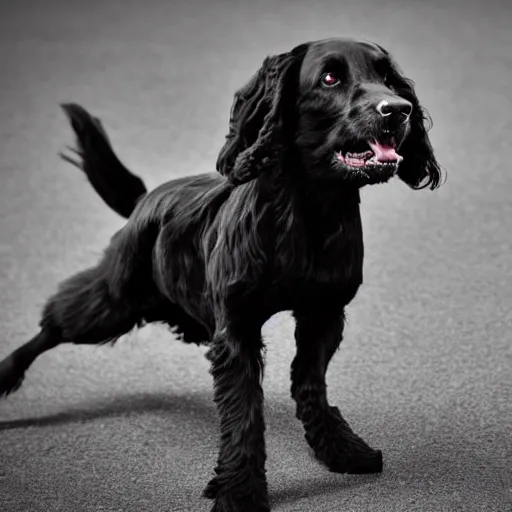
(318,486)
(124,406)
(201,408)
(284,429)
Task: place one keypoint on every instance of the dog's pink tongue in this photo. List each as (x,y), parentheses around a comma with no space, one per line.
(384,153)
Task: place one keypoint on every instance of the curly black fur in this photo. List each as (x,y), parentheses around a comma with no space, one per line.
(278,228)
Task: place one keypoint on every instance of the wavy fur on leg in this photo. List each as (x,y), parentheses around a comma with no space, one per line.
(237,370)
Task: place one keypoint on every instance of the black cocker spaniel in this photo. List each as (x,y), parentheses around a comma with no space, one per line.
(278,228)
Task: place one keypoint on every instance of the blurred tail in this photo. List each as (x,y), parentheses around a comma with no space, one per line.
(115,184)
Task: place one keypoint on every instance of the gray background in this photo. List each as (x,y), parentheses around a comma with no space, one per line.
(425,369)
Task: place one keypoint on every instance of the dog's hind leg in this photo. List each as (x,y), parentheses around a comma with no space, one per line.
(83,311)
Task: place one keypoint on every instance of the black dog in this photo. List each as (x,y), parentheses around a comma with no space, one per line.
(279,228)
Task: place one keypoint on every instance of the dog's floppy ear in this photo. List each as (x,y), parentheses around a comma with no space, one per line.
(419,168)
(254,142)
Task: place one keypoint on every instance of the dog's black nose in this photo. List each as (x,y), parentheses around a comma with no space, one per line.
(397,107)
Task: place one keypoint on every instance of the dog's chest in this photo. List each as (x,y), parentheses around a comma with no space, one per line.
(321,263)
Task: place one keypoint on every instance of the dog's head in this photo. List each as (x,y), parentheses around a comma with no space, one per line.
(341,108)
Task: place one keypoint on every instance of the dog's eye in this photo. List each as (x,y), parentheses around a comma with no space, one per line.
(388,82)
(384,69)
(330,80)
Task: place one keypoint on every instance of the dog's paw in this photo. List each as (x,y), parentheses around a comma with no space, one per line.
(341,450)
(229,503)
(11,376)
(253,499)
(212,489)
(358,462)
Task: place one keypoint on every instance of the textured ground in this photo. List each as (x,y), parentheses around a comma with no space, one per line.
(425,369)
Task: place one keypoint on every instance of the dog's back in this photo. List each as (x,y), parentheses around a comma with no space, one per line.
(145,262)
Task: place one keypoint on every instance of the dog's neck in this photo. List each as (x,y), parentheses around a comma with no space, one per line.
(312,215)
(317,229)
(326,199)
(322,202)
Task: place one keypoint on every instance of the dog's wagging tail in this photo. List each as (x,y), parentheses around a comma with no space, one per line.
(277,228)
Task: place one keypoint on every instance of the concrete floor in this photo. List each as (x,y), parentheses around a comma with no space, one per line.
(425,370)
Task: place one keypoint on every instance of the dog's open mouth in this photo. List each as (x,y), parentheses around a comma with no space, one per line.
(371,155)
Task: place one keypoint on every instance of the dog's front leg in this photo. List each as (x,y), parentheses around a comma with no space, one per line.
(237,369)
(318,336)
